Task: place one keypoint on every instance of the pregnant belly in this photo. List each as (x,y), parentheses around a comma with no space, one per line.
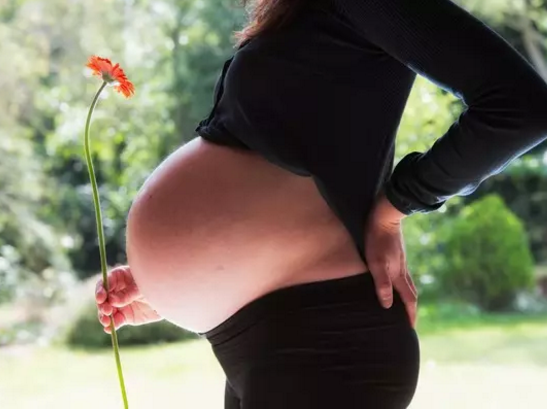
(214,228)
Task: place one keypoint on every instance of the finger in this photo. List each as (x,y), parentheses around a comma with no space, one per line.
(103,319)
(106,308)
(413,286)
(119,319)
(100,293)
(382,282)
(115,279)
(125,296)
(123,289)
(410,281)
(401,284)
(107,328)
(407,294)
(127,313)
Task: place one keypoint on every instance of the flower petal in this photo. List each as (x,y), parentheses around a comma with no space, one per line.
(103,67)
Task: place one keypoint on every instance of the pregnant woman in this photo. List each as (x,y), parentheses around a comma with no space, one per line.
(276,233)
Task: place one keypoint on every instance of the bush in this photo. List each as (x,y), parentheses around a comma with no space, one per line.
(422,234)
(487,257)
(87,332)
(25,332)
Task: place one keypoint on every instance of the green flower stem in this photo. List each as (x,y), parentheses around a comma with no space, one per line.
(100,232)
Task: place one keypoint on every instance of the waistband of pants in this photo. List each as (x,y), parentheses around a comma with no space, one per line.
(353,289)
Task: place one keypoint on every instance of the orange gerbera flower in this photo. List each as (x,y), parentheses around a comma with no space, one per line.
(111,74)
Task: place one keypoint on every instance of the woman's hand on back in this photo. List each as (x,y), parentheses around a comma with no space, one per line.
(386,259)
(124,302)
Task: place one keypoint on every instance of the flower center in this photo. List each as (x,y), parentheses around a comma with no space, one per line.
(107,77)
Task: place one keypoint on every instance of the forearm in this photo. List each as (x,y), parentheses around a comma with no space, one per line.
(478,145)
(506,98)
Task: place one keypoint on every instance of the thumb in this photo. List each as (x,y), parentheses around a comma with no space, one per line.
(121,298)
(380,252)
(383,284)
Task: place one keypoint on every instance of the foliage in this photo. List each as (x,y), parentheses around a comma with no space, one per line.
(524,189)
(487,260)
(44,284)
(441,316)
(20,333)
(28,245)
(173,51)
(422,237)
(87,332)
(429,113)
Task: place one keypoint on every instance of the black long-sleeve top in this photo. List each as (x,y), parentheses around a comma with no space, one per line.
(323,97)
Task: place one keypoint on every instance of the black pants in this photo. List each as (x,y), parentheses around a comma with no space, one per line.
(321,345)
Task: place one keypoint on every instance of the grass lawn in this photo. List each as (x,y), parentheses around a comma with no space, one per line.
(484,363)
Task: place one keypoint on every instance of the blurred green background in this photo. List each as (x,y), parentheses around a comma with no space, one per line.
(480,262)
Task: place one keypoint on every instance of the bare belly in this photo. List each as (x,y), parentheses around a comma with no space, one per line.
(214,228)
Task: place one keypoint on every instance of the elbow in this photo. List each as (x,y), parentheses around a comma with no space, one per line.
(542,113)
(534,102)
(514,108)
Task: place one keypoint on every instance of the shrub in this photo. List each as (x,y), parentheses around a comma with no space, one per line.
(24,332)
(487,257)
(87,332)
(422,234)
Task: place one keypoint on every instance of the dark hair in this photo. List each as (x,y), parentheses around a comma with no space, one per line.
(266,15)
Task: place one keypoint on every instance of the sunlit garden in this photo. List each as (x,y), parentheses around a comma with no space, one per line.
(476,362)
(480,262)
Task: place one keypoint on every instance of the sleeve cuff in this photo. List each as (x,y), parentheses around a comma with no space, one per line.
(403,190)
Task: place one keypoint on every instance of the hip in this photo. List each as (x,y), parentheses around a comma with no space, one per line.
(321,342)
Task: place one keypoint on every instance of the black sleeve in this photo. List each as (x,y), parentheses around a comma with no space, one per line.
(505,98)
